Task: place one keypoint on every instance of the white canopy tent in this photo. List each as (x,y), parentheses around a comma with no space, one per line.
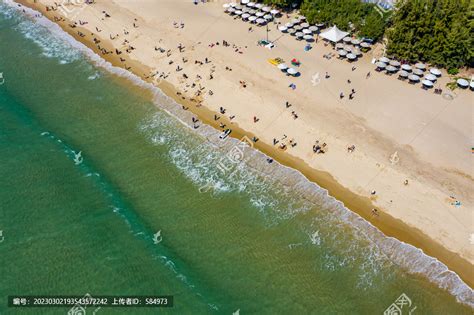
(333,34)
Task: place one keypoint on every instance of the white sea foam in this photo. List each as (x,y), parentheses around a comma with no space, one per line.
(382,247)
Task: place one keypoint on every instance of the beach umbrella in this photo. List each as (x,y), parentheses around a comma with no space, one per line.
(282,28)
(414,78)
(356,51)
(305,24)
(282,66)
(355,42)
(308,37)
(268,17)
(261,21)
(384,60)
(347,40)
(259,14)
(430,77)
(471,85)
(274,12)
(259,5)
(365,45)
(301,17)
(307,31)
(231,10)
(320,25)
(418,72)
(391,69)
(289,25)
(339,46)
(347,48)
(351,56)
(291,31)
(403,74)
(299,34)
(313,28)
(252,11)
(252,18)
(232,4)
(420,65)
(245,16)
(238,12)
(226,5)
(244,1)
(406,67)
(266,9)
(251,4)
(394,63)
(246,9)
(291,71)
(435,72)
(462,83)
(295,21)
(298,27)
(342,52)
(237,7)
(381,65)
(427,83)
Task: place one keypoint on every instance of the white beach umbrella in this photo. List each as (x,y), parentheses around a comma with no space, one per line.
(308,37)
(435,71)
(403,74)
(339,46)
(427,83)
(394,63)
(420,65)
(252,18)
(268,17)
(246,9)
(355,41)
(298,27)
(226,5)
(244,1)
(259,14)
(258,5)
(462,83)
(471,85)
(251,4)
(245,16)
(305,24)
(262,21)
(342,52)
(274,11)
(282,28)
(418,72)
(299,34)
(430,77)
(381,65)
(231,10)
(282,66)
(384,60)
(291,71)
(356,51)
(391,69)
(307,31)
(295,21)
(414,78)
(347,48)
(313,28)
(232,4)
(319,25)
(238,12)
(365,45)
(238,7)
(347,39)
(266,9)
(351,56)
(252,11)
(289,25)
(291,31)
(406,67)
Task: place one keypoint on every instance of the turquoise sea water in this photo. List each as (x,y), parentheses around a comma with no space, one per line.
(93,165)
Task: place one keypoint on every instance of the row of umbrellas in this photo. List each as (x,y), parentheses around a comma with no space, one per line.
(291,71)
(247,5)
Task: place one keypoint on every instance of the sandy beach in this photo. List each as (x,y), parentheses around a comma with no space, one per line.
(412,158)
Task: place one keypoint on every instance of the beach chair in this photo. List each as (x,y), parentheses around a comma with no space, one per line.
(275,61)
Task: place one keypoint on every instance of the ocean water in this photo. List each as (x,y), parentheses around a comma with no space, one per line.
(94,163)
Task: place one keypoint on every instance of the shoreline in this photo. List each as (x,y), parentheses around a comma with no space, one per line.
(361,205)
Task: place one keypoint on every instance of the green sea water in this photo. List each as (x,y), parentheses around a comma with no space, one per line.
(91,167)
